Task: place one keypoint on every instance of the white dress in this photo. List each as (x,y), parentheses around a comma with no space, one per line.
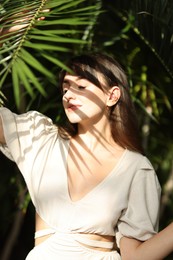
(125,203)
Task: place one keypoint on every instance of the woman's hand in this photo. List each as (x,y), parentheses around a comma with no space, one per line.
(16,25)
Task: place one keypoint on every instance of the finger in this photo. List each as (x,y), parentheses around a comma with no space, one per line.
(46,10)
(41,18)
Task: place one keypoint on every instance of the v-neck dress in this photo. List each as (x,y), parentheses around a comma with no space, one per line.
(125,203)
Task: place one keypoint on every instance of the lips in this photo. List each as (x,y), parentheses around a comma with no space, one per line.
(73,106)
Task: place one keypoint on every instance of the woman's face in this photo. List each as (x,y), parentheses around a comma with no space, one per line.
(82,100)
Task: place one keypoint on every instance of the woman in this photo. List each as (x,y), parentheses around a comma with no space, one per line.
(89,182)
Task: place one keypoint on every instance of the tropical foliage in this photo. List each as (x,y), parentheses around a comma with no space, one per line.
(138,33)
(29,54)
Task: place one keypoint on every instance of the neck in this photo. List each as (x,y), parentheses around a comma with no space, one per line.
(96,135)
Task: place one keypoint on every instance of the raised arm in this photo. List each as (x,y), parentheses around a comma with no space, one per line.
(156,248)
(17,25)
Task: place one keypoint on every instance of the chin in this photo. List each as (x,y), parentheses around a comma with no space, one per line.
(74,120)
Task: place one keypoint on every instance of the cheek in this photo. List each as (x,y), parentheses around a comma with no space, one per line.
(98,101)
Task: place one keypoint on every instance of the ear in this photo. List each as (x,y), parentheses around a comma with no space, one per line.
(113,96)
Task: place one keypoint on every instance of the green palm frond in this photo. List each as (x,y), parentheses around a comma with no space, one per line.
(152,21)
(26,54)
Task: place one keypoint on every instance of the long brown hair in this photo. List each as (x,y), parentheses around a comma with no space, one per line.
(122,115)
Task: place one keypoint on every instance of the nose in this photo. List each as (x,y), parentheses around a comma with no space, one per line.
(69,94)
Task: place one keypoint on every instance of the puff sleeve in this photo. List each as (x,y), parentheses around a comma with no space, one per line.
(141,217)
(24,135)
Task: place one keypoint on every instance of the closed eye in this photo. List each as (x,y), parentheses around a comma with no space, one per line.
(65,90)
(81,87)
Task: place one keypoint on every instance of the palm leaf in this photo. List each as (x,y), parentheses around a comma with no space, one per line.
(152,21)
(26,54)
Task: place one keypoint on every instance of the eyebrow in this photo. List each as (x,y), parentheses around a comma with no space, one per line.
(65,81)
